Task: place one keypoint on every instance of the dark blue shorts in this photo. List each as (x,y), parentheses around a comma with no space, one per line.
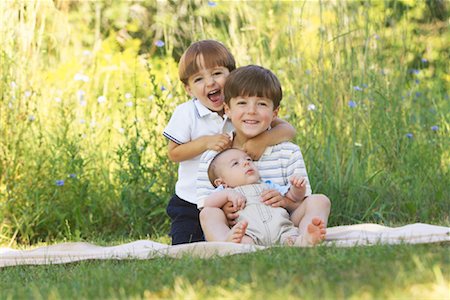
(185,223)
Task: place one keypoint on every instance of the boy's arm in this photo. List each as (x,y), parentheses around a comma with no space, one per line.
(281,131)
(189,150)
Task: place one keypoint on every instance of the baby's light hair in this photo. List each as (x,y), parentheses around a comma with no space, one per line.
(212,168)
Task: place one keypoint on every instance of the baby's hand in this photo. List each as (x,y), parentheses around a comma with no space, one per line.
(298,188)
(218,142)
(237,199)
(297,181)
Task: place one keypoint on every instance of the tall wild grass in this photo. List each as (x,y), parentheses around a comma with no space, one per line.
(87,88)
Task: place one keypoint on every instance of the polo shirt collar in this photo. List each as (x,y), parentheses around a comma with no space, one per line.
(201,109)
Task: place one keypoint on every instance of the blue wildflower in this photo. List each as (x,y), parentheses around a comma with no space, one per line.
(418,94)
(434,128)
(357,88)
(73,175)
(163,88)
(159,43)
(352,103)
(414,71)
(409,135)
(212,3)
(308,72)
(59,182)
(424,60)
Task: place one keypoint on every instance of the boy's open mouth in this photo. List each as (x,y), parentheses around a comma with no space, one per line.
(214,96)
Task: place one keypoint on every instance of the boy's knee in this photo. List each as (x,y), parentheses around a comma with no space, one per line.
(320,200)
(207,213)
(203,214)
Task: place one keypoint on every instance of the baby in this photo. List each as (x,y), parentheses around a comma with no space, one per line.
(237,180)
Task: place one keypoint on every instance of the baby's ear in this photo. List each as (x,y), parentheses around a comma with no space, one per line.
(219,182)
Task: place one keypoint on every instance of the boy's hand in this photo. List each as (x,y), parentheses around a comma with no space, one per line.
(231,213)
(273,198)
(254,149)
(218,142)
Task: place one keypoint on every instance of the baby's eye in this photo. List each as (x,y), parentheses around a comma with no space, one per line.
(234,163)
(248,159)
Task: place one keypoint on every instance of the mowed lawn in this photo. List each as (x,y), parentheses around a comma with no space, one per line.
(375,272)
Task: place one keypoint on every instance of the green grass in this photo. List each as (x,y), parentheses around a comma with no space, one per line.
(377,272)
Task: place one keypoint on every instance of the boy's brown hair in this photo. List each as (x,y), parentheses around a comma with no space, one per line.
(214,54)
(253,80)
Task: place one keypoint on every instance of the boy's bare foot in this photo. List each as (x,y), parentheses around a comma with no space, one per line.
(315,233)
(237,232)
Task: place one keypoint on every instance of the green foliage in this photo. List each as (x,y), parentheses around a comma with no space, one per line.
(88,87)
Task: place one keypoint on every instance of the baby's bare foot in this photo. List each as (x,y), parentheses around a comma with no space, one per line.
(315,233)
(237,232)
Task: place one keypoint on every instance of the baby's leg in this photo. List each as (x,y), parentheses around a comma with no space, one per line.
(214,224)
(215,227)
(313,235)
(314,207)
(237,234)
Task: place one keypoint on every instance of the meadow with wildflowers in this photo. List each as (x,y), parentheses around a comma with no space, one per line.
(87,88)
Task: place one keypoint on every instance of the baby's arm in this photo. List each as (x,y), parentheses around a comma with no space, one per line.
(281,131)
(189,150)
(220,198)
(297,190)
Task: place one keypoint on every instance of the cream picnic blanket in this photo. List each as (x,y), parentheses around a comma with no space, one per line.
(340,236)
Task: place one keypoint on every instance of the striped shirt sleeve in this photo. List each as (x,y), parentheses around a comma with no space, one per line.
(280,162)
(296,165)
(204,186)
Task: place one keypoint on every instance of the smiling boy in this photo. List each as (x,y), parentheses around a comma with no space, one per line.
(252,98)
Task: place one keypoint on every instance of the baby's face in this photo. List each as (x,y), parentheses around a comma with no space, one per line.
(236,168)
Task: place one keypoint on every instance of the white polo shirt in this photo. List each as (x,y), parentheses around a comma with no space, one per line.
(190,121)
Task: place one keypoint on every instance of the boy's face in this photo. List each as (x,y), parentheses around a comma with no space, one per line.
(250,115)
(207,85)
(236,168)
